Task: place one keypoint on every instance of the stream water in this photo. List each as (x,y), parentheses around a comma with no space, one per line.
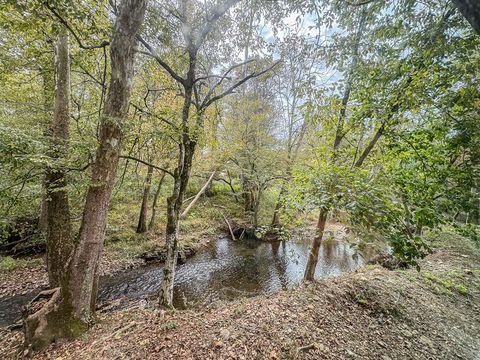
(223,270)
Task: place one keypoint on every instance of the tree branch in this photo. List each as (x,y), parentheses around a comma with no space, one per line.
(218,11)
(159,60)
(146,163)
(69,28)
(360,3)
(224,76)
(206,103)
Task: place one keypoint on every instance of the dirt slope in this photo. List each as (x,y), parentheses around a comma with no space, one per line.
(370,314)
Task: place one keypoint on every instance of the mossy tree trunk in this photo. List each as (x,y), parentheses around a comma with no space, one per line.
(59,229)
(71,307)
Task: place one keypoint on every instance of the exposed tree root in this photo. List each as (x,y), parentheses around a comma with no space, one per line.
(46,320)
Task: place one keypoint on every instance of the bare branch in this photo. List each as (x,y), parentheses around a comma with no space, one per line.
(206,103)
(360,3)
(225,76)
(218,11)
(147,163)
(158,59)
(154,115)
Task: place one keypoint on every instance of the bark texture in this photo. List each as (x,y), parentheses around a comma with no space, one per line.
(83,284)
(71,312)
(470,9)
(59,230)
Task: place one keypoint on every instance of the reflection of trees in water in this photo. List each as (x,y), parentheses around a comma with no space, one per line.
(280,263)
(230,269)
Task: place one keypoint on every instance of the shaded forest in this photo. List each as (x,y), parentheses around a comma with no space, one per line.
(186,154)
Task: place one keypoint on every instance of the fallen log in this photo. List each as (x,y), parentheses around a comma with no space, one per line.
(202,190)
(229,228)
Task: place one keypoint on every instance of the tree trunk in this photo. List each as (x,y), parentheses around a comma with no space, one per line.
(470,9)
(92,230)
(370,145)
(279,205)
(174,204)
(142,221)
(181,176)
(59,229)
(313,256)
(155,199)
(73,311)
(339,135)
(48,99)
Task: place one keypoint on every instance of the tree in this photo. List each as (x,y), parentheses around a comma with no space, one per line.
(59,236)
(70,308)
(199,91)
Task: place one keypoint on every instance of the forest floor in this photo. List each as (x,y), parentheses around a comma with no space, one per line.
(372,313)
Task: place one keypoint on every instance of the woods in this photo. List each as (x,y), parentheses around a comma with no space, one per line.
(137,132)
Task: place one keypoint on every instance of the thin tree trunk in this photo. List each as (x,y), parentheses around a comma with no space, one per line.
(155,199)
(229,228)
(43,217)
(195,199)
(142,221)
(339,135)
(74,306)
(348,87)
(313,256)
(370,145)
(279,205)
(174,202)
(59,229)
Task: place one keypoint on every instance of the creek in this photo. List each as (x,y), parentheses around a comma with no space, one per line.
(223,270)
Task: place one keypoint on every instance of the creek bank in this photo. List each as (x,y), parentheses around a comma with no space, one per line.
(372,313)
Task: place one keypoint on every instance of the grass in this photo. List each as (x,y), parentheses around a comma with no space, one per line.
(8,263)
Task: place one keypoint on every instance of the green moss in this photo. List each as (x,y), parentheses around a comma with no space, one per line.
(8,263)
(168,325)
(360,300)
(461,289)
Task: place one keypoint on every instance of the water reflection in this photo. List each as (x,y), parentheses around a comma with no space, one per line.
(228,269)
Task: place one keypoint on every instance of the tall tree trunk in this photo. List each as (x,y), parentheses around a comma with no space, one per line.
(313,256)
(59,230)
(48,99)
(174,204)
(181,176)
(279,205)
(84,277)
(155,199)
(142,221)
(470,9)
(70,309)
(340,133)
